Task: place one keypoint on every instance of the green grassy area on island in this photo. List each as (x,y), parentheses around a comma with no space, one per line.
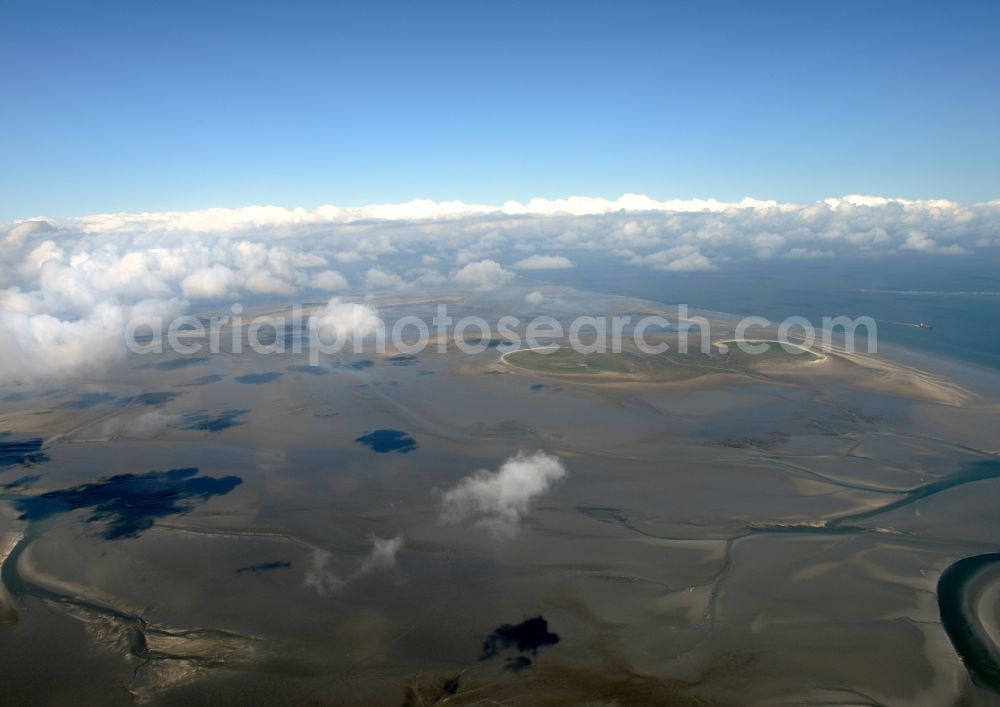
(775,353)
(668,366)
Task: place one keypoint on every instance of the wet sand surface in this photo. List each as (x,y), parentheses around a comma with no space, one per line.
(201,531)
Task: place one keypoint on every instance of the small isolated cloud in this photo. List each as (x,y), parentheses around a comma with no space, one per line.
(534,298)
(148,424)
(499,500)
(544,262)
(681,258)
(320,575)
(383,554)
(485,274)
(344,321)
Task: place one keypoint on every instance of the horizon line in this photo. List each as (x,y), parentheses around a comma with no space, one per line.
(422,209)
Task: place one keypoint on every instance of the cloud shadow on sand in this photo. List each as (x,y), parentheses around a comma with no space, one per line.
(383,441)
(524,638)
(126,505)
(214,423)
(21,451)
(258,378)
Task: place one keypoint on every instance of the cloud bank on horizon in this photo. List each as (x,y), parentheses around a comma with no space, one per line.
(68,287)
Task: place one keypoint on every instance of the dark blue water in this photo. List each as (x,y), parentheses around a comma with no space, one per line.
(958,295)
(127,505)
(970,473)
(384,441)
(957,600)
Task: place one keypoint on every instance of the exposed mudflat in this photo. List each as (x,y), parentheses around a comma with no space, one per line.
(268,529)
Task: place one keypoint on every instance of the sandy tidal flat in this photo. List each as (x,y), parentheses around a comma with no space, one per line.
(258,530)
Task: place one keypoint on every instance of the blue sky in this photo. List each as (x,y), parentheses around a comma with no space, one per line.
(155,106)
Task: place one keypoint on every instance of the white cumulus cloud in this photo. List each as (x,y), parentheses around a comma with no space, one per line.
(340,320)
(215,282)
(680,258)
(377,279)
(68,286)
(484,274)
(499,500)
(544,262)
(382,555)
(143,426)
(328,281)
(920,241)
(321,577)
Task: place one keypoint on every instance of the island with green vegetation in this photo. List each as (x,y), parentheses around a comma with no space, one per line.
(669,366)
